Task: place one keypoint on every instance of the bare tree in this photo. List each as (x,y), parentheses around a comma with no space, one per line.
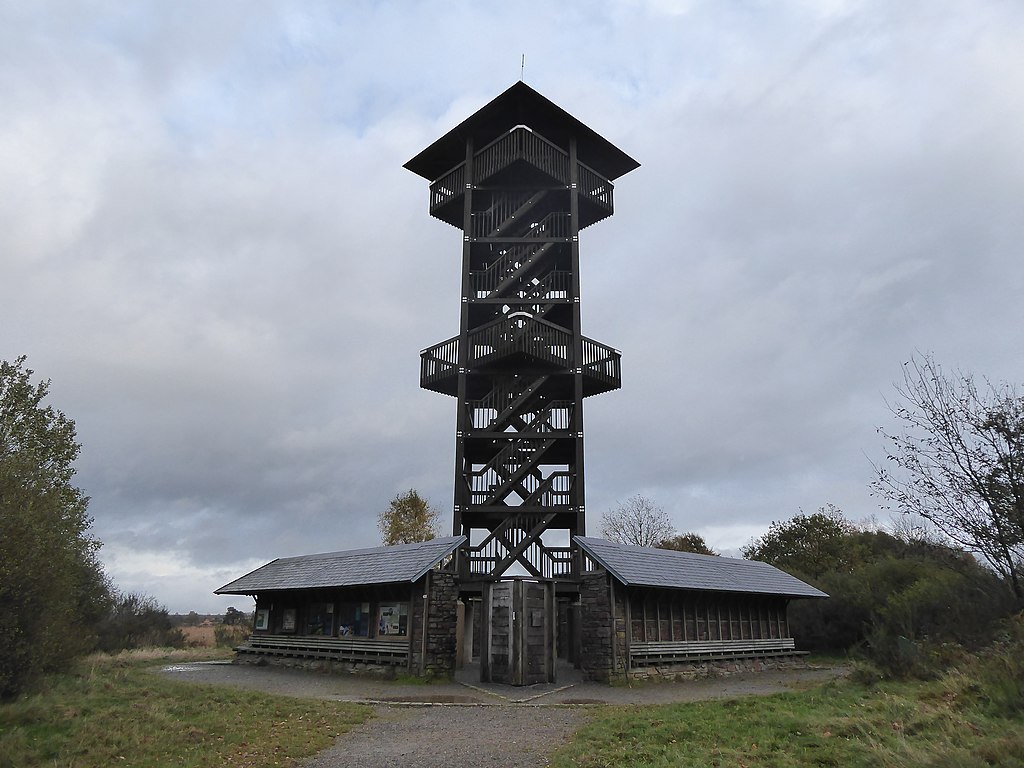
(637,521)
(958,462)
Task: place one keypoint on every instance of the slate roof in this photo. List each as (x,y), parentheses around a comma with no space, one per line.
(644,566)
(521,105)
(379,565)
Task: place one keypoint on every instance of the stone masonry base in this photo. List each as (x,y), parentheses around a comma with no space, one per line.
(694,670)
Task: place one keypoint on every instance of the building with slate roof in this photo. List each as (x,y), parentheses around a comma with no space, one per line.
(655,610)
(384,606)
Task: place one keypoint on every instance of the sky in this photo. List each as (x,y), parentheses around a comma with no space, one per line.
(210,247)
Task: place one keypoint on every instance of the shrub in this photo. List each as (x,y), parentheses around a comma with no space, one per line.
(229,635)
(138,621)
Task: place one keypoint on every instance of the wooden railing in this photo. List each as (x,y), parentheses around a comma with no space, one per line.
(511,469)
(595,186)
(488,414)
(507,211)
(544,562)
(551,492)
(552,287)
(439,361)
(448,187)
(602,362)
(521,143)
(513,333)
(554,226)
(539,339)
(511,261)
(501,403)
(647,654)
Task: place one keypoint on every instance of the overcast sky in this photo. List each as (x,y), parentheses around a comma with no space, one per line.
(209,244)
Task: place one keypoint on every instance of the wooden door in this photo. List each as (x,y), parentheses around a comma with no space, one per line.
(497,659)
(519,641)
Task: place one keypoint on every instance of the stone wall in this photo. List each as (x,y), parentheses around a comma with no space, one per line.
(436,656)
(693,670)
(595,627)
(386,671)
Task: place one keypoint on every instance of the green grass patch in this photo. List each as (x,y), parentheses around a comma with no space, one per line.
(117,711)
(840,724)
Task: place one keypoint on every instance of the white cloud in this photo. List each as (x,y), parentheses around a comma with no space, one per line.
(210,246)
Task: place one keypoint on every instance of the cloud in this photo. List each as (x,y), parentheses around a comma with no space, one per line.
(210,245)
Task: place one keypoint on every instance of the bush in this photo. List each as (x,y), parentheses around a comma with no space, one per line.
(1000,670)
(904,606)
(138,621)
(229,635)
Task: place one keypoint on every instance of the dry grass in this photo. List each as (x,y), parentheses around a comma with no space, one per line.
(199,637)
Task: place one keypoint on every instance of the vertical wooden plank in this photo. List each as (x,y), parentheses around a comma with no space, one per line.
(657,615)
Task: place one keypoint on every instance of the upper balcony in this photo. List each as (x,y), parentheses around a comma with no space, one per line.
(523,158)
(521,338)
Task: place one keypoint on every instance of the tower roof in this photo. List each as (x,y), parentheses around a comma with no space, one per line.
(521,105)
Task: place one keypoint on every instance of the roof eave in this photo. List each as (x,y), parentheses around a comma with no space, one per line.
(510,107)
(447,552)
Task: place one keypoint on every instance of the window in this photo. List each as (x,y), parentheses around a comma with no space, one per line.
(354,620)
(288,620)
(393,620)
(320,619)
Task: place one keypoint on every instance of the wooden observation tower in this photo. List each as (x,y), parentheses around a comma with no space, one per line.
(521,177)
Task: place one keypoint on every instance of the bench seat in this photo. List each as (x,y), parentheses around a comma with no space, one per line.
(641,654)
(335,648)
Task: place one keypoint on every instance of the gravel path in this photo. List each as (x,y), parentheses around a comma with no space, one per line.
(454,737)
(469,724)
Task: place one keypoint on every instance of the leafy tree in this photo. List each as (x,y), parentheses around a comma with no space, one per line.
(811,545)
(637,521)
(687,542)
(957,461)
(234,616)
(52,588)
(409,518)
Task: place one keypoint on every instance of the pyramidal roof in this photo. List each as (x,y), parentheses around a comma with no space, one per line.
(521,105)
(378,565)
(649,567)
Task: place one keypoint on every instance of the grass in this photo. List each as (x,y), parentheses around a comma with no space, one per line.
(942,724)
(116,711)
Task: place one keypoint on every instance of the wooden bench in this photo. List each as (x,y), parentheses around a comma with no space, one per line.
(641,654)
(335,648)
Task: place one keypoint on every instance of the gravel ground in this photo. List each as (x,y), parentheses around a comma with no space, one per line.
(469,724)
(454,737)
